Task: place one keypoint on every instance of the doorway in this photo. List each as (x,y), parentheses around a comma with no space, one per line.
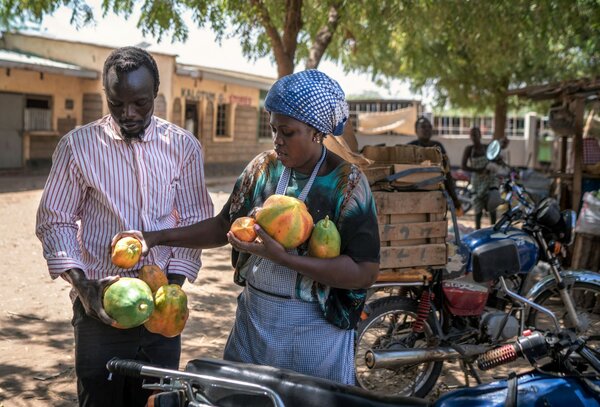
(191,122)
(11,128)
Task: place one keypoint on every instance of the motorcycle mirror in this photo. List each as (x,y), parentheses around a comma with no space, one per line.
(493,150)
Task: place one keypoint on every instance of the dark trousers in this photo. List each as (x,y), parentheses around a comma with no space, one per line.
(96,343)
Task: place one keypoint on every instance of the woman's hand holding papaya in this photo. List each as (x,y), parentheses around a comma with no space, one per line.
(265,246)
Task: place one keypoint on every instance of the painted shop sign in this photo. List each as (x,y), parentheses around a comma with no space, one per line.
(240,100)
(195,94)
(198,95)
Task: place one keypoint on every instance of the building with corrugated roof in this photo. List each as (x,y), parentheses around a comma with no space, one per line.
(50,86)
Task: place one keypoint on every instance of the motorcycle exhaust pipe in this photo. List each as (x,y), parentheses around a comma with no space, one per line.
(383,358)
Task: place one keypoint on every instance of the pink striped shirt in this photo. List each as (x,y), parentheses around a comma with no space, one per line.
(100,185)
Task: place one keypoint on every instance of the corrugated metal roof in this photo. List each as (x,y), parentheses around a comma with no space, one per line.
(101,43)
(21,60)
(224,75)
(582,87)
(29,61)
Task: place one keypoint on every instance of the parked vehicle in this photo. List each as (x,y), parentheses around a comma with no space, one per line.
(424,324)
(464,189)
(212,382)
(570,376)
(567,371)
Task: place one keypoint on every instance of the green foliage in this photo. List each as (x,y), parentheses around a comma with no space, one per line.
(469,51)
(15,14)
(360,25)
(472,51)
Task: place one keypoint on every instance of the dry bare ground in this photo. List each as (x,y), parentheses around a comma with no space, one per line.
(36,339)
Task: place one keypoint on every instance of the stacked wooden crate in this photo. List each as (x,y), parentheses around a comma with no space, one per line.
(412,223)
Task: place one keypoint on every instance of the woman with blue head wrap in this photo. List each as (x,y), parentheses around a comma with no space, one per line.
(297,312)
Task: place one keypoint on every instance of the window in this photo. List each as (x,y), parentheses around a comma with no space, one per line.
(467,123)
(264,126)
(515,127)
(224,121)
(38,113)
(487,128)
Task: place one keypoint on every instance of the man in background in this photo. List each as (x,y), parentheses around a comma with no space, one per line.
(424,131)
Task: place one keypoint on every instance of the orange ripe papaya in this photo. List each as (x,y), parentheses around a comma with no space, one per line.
(153,276)
(243,228)
(127,252)
(170,311)
(286,219)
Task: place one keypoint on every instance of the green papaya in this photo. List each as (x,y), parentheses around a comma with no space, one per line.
(129,302)
(325,240)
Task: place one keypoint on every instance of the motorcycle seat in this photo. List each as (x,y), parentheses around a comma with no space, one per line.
(295,389)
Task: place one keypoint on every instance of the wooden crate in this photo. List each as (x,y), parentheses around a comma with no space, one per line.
(412,224)
(405,275)
(404,154)
(412,229)
(377,173)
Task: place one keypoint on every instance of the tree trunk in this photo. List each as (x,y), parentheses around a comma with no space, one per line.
(500,111)
(323,38)
(285,64)
(284,46)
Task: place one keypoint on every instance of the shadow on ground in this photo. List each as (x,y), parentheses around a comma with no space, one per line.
(26,381)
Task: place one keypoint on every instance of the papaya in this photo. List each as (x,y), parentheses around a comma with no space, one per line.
(325,240)
(129,302)
(243,228)
(286,219)
(153,276)
(127,252)
(170,311)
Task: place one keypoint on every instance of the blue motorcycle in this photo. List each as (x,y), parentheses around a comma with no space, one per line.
(567,371)
(454,317)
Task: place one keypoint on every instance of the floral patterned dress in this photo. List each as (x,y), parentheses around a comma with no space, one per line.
(285,319)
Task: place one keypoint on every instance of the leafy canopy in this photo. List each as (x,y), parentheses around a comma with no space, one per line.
(471,52)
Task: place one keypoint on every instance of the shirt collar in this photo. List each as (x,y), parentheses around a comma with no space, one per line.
(114,132)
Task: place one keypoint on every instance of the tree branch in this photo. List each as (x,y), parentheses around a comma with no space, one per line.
(323,38)
(279,50)
(292,26)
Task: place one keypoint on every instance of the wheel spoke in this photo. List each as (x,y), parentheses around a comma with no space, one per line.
(586,299)
(389,329)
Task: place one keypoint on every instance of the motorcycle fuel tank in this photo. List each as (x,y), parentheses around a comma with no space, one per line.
(526,245)
(533,389)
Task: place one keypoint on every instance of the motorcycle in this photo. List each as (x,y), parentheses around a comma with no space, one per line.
(464,189)
(211,382)
(458,318)
(567,371)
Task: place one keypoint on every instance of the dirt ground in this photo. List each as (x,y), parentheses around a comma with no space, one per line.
(36,338)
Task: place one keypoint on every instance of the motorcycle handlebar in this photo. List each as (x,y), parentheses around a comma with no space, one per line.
(125,367)
(532,346)
(590,357)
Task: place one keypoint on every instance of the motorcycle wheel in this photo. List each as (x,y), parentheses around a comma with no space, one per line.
(389,322)
(465,197)
(587,303)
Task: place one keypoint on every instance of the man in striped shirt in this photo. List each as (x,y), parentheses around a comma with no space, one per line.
(128,170)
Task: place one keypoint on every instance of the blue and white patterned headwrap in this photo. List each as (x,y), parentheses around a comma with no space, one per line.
(310,97)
